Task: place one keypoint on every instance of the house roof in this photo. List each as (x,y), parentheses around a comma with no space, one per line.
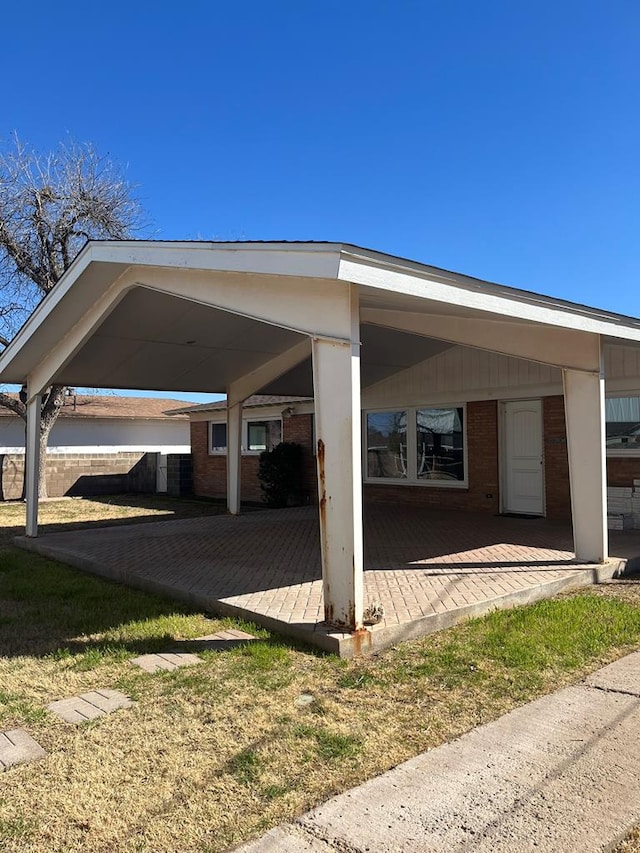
(112,406)
(201,316)
(255,401)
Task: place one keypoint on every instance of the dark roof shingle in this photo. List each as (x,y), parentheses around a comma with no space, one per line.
(112,406)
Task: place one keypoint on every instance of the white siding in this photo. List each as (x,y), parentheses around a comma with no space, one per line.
(103,435)
(461,374)
(621,362)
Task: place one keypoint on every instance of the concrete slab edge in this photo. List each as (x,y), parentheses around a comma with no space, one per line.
(383,635)
(308,634)
(368,641)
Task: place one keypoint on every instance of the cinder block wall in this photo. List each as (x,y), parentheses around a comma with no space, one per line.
(83,474)
(179,474)
(210,471)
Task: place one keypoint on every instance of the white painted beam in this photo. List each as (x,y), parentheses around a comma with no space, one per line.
(234,457)
(309,306)
(550,345)
(267,372)
(336,380)
(32,463)
(586,447)
(276,301)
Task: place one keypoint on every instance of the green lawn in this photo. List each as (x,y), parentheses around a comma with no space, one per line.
(213,754)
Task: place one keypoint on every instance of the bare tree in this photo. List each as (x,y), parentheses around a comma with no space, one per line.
(50,206)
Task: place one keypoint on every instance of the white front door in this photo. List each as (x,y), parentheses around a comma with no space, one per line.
(523,470)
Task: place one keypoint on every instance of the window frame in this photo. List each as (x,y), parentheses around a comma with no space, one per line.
(245,435)
(214,451)
(620,452)
(412,448)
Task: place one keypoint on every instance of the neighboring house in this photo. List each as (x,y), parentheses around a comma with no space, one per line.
(99,445)
(464,450)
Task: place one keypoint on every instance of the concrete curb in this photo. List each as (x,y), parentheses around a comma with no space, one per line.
(559,775)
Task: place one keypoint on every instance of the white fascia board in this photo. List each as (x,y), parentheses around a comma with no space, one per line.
(29,347)
(48,304)
(311,260)
(454,289)
(253,413)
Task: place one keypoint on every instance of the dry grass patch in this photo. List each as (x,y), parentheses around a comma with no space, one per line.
(58,514)
(213,754)
(631,844)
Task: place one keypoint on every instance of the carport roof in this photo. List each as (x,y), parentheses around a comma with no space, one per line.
(160,340)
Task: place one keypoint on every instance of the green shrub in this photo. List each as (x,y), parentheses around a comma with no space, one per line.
(280,474)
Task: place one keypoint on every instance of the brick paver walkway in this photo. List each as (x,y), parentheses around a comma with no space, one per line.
(417,562)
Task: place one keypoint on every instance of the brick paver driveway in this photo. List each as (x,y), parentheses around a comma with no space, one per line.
(426,568)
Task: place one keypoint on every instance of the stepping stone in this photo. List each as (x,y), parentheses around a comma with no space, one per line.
(228,634)
(89,706)
(225,639)
(165,660)
(18,747)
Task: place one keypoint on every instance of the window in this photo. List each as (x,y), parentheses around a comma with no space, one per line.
(622,415)
(256,436)
(218,438)
(430,451)
(440,453)
(387,444)
(263,435)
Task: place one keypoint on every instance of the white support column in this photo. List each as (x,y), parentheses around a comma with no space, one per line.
(336,384)
(585,417)
(32,463)
(234,457)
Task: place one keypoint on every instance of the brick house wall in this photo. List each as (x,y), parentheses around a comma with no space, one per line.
(482,494)
(210,471)
(556,461)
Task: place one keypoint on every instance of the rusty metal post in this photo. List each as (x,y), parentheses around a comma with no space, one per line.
(336,380)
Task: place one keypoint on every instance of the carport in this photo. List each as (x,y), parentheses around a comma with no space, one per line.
(321,319)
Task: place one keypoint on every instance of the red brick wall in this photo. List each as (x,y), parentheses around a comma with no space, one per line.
(622,471)
(299,429)
(482,495)
(482,458)
(210,472)
(556,463)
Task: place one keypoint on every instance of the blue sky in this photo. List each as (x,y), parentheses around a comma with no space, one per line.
(499,139)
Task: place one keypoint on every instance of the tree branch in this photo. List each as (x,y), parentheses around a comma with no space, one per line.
(16,406)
